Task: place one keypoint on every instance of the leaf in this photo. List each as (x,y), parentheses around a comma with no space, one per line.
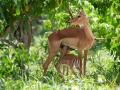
(0,75)
(15,1)
(17,11)
(26,1)
(11,26)
(59,3)
(26,8)
(26,25)
(1,12)
(33,23)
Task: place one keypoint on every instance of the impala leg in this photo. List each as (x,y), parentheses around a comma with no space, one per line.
(53,48)
(62,53)
(57,66)
(80,58)
(71,68)
(67,51)
(73,72)
(67,70)
(48,61)
(64,69)
(85,58)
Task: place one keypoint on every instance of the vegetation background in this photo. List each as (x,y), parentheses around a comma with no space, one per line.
(24,28)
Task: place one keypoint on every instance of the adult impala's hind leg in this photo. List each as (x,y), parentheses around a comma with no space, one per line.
(52,52)
(80,58)
(48,61)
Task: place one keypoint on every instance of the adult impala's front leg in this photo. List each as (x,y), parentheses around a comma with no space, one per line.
(48,61)
(80,58)
(85,58)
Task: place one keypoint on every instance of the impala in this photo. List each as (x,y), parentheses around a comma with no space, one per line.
(69,60)
(80,38)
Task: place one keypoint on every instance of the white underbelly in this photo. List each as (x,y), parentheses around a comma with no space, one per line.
(76,43)
(71,42)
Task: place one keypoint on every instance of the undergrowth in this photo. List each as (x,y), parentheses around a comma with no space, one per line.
(101,73)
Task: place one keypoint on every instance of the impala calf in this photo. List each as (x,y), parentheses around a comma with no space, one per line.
(78,38)
(69,60)
(63,51)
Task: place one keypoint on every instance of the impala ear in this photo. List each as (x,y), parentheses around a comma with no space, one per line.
(83,12)
(78,12)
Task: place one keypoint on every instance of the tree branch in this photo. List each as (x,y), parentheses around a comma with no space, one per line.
(7,29)
(100,38)
(70,12)
(10,43)
(104,38)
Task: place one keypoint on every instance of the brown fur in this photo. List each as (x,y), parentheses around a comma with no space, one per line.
(69,60)
(79,38)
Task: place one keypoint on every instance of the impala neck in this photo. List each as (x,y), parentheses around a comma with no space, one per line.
(87,30)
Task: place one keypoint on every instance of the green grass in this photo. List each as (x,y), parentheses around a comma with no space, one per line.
(74,84)
(100,74)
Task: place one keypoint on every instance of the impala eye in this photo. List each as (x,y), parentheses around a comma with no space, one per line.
(79,16)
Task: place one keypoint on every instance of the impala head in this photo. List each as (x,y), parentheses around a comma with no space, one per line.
(80,18)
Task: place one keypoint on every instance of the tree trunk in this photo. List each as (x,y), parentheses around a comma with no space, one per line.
(24,33)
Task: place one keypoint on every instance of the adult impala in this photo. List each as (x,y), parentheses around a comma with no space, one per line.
(79,38)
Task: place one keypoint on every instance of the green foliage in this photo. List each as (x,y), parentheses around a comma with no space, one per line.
(102,71)
(47,24)
(13,62)
(104,15)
